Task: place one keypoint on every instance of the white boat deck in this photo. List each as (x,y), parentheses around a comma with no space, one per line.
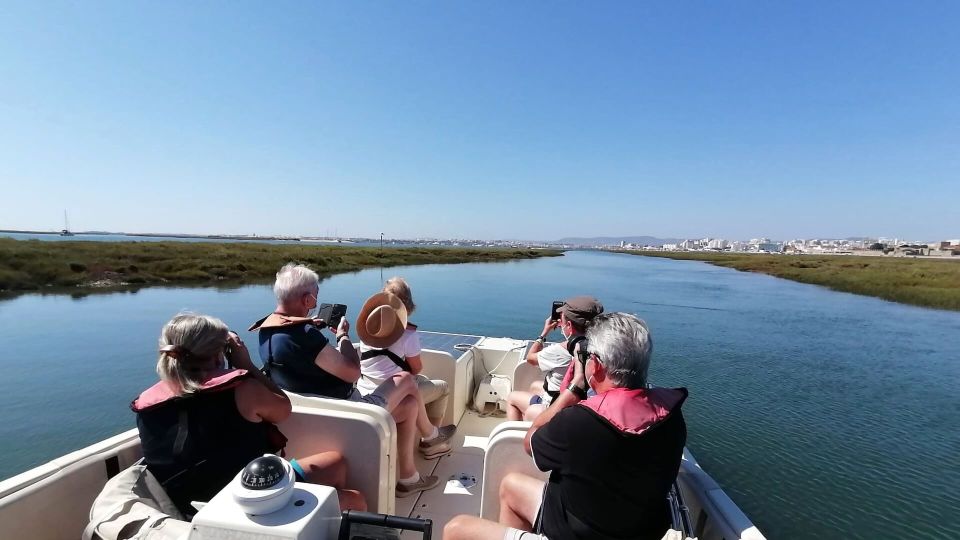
(449,499)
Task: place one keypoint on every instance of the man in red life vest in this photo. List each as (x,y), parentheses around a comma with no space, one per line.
(612,457)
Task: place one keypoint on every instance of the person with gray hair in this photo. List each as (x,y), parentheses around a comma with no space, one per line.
(212,412)
(299,358)
(611,457)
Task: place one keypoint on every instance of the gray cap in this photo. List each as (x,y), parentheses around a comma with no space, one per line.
(581,309)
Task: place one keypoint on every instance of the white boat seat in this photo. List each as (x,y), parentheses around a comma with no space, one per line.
(365,434)
(504,455)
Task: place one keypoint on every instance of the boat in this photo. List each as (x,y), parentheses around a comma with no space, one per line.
(53,501)
(65,231)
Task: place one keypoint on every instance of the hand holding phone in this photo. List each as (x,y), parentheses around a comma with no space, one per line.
(332,314)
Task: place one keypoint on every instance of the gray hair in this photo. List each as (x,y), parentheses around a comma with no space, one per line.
(194,340)
(623,344)
(293,281)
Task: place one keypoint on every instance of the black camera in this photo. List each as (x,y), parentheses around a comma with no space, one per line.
(332,313)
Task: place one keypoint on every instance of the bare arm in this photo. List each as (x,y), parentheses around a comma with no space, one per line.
(564,400)
(258,403)
(537,346)
(240,359)
(416,364)
(341,361)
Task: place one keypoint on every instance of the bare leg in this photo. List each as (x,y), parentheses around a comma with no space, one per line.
(517,403)
(520,499)
(465,527)
(533,412)
(398,388)
(330,469)
(405,416)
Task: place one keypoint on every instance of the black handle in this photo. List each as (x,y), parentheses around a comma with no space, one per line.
(349,517)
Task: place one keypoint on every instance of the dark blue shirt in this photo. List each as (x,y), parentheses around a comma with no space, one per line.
(289,355)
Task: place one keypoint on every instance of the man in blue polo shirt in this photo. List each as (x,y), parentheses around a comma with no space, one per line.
(299,358)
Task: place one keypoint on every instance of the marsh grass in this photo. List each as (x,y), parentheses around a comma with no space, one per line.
(31,265)
(920,282)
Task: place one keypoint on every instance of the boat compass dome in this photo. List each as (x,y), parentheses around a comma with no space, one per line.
(265,485)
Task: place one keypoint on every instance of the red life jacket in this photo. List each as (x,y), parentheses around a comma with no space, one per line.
(162,392)
(635,411)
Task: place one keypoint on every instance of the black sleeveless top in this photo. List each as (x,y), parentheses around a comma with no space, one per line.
(196,443)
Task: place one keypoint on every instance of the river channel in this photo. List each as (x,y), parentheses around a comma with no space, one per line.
(822,414)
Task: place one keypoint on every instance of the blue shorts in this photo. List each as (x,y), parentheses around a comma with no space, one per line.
(298,471)
(536,400)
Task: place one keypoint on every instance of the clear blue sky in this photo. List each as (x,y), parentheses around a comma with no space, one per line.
(528,120)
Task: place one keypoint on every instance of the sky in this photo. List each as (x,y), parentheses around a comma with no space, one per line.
(511,120)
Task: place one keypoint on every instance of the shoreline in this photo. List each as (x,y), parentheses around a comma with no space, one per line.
(929,282)
(82,267)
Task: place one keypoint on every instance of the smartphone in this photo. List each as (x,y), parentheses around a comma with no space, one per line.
(555,311)
(332,313)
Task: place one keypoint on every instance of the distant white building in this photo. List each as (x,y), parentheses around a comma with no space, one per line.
(717,243)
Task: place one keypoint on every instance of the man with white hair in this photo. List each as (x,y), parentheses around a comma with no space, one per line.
(299,358)
(612,457)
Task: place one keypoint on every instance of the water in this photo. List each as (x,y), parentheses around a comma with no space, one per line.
(820,413)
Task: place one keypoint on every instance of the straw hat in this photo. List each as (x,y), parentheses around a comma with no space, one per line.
(382,320)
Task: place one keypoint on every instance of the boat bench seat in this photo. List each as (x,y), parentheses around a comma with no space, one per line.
(49,501)
(365,434)
(504,455)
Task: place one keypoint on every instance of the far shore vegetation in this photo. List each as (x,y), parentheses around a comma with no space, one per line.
(918,281)
(33,265)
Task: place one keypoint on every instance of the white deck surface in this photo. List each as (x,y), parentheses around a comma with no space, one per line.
(447,500)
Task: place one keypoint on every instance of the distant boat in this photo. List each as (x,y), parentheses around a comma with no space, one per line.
(66,226)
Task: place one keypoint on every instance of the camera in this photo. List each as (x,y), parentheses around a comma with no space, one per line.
(555,310)
(332,313)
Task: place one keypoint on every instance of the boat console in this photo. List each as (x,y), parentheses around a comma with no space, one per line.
(265,502)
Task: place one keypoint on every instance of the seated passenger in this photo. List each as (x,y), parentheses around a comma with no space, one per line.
(612,458)
(299,358)
(382,358)
(554,360)
(203,422)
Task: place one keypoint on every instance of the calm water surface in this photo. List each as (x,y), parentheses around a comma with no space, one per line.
(822,414)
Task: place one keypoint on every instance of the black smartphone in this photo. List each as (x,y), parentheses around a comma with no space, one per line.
(332,313)
(555,311)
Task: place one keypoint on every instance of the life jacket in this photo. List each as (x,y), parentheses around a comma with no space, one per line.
(299,374)
(195,443)
(632,413)
(635,411)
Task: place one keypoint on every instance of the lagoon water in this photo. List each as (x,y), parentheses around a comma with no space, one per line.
(822,414)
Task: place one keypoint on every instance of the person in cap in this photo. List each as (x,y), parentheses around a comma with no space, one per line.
(553,360)
(383,356)
(612,457)
(299,358)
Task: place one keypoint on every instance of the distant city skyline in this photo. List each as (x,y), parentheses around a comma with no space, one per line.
(532,121)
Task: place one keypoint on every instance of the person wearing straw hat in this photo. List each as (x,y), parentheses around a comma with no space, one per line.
(379,359)
(391,349)
(299,358)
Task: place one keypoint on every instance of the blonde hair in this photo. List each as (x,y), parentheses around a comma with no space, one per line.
(187,343)
(398,287)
